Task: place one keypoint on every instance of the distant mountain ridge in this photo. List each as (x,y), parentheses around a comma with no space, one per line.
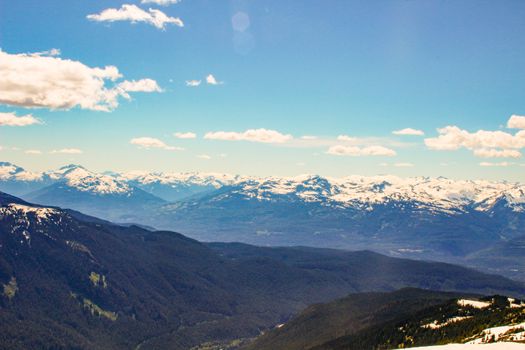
(460,221)
(437,194)
(75,187)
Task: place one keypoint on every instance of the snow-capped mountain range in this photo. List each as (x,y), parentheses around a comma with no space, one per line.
(438,194)
(75,187)
(366,192)
(478,223)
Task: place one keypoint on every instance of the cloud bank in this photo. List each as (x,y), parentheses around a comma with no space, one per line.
(10,119)
(185,135)
(483,143)
(354,151)
(67,151)
(152,143)
(38,81)
(142,85)
(516,122)
(252,135)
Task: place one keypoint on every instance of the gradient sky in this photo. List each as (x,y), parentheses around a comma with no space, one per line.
(322,68)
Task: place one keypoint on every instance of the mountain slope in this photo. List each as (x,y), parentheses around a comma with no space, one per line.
(401,319)
(324,322)
(69,282)
(508,255)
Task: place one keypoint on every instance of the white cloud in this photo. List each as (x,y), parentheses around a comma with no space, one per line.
(150,142)
(309,137)
(52,52)
(33,151)
(409,131)
(204,156)
(496,153)
(501,164)
(38,81)
(10,119)
(210,79)
(253,135)
(346,138)
(397,165)
(403,165)
(142,85)
(67,151)
(133,13)
(354,151)
(325,142)
(160,2)
(185,135)
(454,138)
(193,83)
(516,122)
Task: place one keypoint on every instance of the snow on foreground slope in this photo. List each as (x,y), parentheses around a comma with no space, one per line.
(492,346)
(435,194)
(26,218)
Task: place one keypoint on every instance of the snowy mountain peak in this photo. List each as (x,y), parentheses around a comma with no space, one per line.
(12,172)
(70,167)
(8,170)
(84,180)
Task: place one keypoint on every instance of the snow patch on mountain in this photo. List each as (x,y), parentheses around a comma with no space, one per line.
(437,325)
(40,213)
(25,216)
(474,303)
(515,333)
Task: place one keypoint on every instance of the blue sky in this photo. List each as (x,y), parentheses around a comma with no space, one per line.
(319,68)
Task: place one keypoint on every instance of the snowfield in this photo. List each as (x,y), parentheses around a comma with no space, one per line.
(473,303)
